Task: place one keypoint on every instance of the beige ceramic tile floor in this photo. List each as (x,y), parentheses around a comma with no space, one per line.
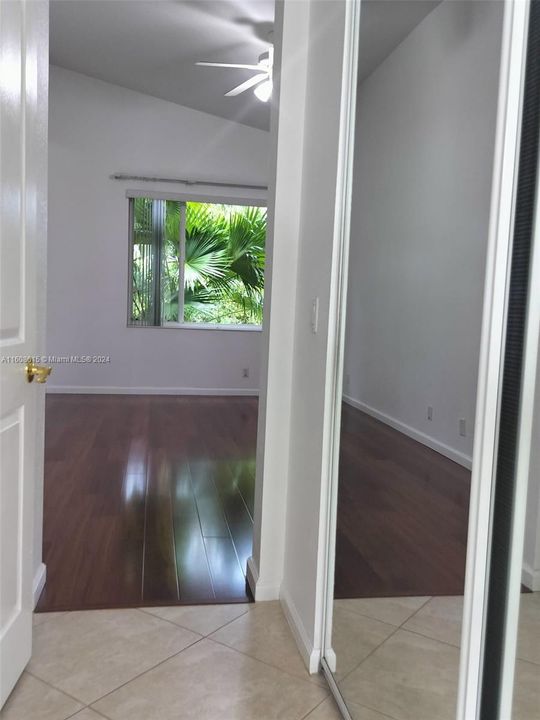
(397,660)
(412,673)
(231,662)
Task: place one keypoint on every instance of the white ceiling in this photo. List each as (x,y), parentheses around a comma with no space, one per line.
(152,46)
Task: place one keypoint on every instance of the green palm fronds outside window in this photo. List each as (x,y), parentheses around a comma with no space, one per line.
(216,251)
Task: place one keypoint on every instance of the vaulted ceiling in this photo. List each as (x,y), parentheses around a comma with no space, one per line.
(152,46)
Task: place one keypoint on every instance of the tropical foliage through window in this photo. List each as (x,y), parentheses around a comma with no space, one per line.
(196,262)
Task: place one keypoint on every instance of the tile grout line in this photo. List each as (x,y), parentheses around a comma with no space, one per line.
(422,606)
(313,709)
(183,627)
(135,677)
(170,622)
(144,672)
(396,628)
(252,657)
(370,617)
(76,713)
(379,712)
(394,631)
(429,637)
(201,639)
(86,707)
(399,627)
(274,667)
(53,687)
(383,715)
(255,659)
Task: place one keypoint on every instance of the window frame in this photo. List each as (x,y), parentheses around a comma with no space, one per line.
(183,198)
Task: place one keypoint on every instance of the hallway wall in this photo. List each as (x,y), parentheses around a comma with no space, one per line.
(313,35)
(97,129)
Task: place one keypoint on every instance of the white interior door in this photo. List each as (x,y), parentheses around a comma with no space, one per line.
(23,177)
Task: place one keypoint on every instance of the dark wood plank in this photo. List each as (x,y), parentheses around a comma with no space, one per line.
(93,524)
(160,581)
(194,580)
(123,519)
(227,577)
(211,514)
(244,479)
(238,518)
(402,514)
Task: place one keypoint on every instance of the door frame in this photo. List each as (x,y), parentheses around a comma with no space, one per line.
(492,345)
(512,67)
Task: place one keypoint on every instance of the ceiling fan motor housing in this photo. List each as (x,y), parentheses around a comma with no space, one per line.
(264,59)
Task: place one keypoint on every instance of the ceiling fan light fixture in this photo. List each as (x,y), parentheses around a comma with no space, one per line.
(264,91)
(265,60)
(262,81)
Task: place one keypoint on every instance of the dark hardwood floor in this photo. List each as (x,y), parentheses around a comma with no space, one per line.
(148,500)
(402,514)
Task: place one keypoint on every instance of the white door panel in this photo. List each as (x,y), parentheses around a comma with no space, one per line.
(23,158)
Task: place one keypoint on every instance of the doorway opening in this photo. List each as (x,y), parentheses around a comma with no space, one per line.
(158,176)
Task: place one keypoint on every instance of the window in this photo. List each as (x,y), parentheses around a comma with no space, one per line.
(196,262)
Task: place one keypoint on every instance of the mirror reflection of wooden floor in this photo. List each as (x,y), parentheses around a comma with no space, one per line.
(402,514)
(148,500)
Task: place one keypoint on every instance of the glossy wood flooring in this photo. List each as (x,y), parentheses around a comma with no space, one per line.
(402,514)
(148,500)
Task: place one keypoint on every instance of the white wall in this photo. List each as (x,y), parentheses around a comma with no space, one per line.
(292,442)
(424,153)
(291,32)
(96,129)
(302,588)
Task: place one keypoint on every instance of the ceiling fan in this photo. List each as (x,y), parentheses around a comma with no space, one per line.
(261,82)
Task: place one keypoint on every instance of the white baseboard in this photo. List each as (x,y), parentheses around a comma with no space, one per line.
(430,442)
(310,655)
(39,582)
(530,578)
(331,659)
(110,390)
(252,575)
(262,592)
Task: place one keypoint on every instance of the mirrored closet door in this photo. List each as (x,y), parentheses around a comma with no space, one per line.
(429,143)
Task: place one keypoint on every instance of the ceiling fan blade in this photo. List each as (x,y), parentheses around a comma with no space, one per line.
(255,80)
(229,65)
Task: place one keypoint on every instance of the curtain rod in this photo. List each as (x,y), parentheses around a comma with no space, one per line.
(149,178)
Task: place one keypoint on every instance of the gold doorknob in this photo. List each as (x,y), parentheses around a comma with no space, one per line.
(39,372)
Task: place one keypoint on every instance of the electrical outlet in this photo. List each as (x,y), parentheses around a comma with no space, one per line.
(430,413)
(462,427)
(245,372)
